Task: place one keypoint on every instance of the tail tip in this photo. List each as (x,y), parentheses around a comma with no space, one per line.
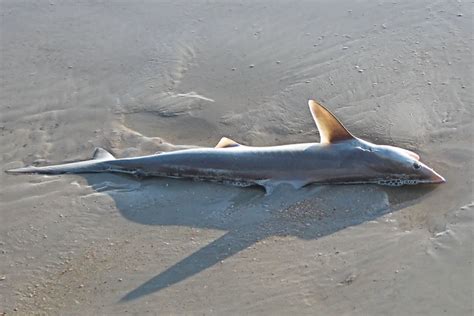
(20,170)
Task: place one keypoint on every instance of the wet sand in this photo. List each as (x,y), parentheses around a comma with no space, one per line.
(153,76)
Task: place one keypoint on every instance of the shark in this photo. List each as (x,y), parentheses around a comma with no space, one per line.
(339,158)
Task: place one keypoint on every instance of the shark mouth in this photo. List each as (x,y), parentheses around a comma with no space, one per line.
(398,182)
(401,182)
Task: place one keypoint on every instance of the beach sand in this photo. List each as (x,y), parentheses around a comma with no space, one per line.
(158,75)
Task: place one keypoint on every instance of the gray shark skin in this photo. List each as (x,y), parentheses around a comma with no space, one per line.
(340,158)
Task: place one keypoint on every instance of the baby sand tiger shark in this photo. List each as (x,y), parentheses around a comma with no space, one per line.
(339,158)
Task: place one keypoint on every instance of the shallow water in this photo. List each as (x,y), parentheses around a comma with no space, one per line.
(141,78)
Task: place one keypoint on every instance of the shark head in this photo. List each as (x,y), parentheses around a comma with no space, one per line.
(400,166)
(385,165)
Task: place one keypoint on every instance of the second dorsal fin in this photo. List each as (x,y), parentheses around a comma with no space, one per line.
(330,129)
(226,142)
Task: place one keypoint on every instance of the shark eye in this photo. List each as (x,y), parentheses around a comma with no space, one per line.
(416,166)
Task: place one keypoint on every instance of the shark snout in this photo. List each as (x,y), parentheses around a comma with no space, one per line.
(431,176)
(426,174)
(436,177)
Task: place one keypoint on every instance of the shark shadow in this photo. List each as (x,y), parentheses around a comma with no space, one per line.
(247,215)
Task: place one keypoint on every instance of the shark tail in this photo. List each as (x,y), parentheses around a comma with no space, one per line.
(87,166)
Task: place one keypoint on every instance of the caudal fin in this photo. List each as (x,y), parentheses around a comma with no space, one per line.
(86,166)
(102,154)
(30,169)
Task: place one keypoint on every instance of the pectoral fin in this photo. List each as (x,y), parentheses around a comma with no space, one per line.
(330,129)
(227,142)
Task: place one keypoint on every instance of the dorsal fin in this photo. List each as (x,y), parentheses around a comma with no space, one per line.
(102,154)
(226,142)
(330,129)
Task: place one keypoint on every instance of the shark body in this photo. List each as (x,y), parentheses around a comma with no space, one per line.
(339,158)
